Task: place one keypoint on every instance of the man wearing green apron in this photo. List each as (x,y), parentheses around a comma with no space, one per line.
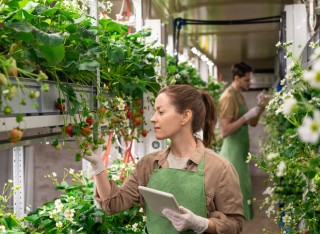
(234,120)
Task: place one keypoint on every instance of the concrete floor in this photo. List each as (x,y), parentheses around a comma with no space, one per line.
(260,220)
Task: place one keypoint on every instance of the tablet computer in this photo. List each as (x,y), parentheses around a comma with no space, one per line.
(158,200)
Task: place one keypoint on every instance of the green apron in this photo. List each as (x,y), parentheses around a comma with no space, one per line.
(235,148)
(188,189)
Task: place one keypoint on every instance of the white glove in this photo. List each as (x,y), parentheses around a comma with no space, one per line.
(253,112)
(186,220)
(260,97)
(263,99)
(97,164)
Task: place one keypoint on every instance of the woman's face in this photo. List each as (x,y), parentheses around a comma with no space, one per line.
(166,120)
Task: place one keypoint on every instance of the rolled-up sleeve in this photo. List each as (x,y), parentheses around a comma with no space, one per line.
(228,215)
(127,195)
(227,107)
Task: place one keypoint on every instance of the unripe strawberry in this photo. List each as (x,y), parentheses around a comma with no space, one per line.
(88,152)
(34,94)
(12,67)
(100,141)
(43,76)
(13,47)
(58,146)
(78,157)
(23,102)
(11,92)
(7,110)
(3,80)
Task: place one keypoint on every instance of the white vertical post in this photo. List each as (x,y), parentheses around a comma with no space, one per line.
(150,143)
(18,180)
(296,28)
(138,16)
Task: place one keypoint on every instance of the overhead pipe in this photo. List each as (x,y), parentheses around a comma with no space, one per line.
(179,22)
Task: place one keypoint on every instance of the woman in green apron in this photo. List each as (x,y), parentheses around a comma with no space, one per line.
(205,185)
(234,117)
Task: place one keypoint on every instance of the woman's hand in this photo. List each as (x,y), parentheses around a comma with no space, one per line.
(186,220)
(97,165)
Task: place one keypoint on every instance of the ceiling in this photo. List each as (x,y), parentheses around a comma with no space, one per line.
(226,44)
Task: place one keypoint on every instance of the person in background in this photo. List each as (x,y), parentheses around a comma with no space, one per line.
(234,118)
(205,185)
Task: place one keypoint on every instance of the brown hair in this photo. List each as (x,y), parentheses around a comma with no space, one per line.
(202,105)
(240,69)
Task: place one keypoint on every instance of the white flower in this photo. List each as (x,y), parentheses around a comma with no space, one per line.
(71,171)
(309,131)
(54,174)
(249,202)
(268,191)
(313,76)
(59,224)
(278,44)
(281,168)
(249,157)
(270,211)
(59,207)
(71,199)
(289,106)
(28,208)
(57,202)
(272,156)
(2,228)
(69,213)
(135,227)
(43,211)
(286,219)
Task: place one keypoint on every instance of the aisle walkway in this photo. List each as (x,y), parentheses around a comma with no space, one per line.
(260,220)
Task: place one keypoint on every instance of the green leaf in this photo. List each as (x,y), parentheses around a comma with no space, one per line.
(89,65)
(161,53)
(23,36)
(53,54)
(20,27)
(114,27)
(62,186)
(32,218)
(116,56)
(71,28)
(54,39)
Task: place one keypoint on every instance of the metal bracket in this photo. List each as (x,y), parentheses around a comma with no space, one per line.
(18,180)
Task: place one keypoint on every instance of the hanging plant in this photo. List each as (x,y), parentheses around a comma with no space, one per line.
(57,41)
(291,155)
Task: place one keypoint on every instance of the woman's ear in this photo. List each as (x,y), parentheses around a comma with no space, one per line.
(186,117)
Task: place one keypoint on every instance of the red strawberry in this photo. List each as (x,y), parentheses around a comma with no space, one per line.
(89,120)
(128,114)
(69,130)
(85,130)
(16,135)
(61,107)
(138,120)
(144,133)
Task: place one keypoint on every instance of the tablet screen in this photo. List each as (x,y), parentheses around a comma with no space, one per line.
(158,200)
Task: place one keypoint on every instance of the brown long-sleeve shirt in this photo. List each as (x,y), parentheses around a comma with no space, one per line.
(221,181)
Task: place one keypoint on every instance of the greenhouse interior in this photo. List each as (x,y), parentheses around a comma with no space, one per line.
(212,105)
